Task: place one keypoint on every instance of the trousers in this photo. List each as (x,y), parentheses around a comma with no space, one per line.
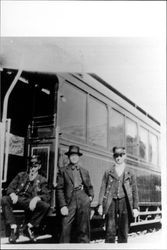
(33,217)
(79,214)
(117,221)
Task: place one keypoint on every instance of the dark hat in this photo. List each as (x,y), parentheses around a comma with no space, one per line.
(73,150)
(35,159)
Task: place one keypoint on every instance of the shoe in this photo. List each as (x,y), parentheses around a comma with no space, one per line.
(29,232)
(14,235)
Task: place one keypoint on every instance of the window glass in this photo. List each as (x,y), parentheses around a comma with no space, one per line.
(143,143)
(97,123)
(131,137)
(116,129)
(73,111)
(153,148)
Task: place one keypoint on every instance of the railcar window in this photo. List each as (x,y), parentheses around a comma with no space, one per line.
(116,129)
(97,122)
(73,111)
(131,137)
(143,144)
(153,148)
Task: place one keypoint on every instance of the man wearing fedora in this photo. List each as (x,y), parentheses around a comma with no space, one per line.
(74,193)
(27,191)
(118,198)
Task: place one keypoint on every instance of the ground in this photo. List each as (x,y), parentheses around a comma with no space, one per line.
(153,240)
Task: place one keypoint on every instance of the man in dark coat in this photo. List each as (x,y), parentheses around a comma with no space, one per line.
(74,193)
(27,191)
(118,198)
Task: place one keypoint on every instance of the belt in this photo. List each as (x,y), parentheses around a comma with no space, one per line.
(118,198)
(80,187)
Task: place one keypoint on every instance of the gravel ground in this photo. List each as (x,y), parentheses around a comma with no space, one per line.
(152,240)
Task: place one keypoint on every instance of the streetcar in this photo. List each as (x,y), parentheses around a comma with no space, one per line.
(48,111)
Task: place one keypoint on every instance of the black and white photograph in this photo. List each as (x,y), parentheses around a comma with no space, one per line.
(83,125)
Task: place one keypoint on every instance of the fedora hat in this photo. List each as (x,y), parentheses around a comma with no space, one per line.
(73,150)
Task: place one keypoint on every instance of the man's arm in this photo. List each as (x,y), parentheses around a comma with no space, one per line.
(60,189)
(90,190)
(101,193)
(45,192)
(13,185)
(135,192)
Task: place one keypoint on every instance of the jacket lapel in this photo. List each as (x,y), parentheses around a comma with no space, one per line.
(69,172)
(126,175)
(82,175)
(112,172)
(23,182)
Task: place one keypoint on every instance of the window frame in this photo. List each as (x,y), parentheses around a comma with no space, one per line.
(109,134)
(90,96)
(72,136)
(157,161)
(141,159)
(137,142)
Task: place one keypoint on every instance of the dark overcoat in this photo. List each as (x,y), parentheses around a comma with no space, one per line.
(108,186)
(40,186)
(65,184)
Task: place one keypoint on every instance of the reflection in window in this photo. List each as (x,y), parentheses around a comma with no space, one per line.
(153,148)
(97,123)
(143,143)
(73,111)
(131,137)
(116,129)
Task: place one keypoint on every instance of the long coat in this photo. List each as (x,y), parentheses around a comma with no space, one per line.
(65,184)
(108,186)
(39,188)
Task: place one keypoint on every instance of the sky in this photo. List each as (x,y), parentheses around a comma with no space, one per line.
(124,42)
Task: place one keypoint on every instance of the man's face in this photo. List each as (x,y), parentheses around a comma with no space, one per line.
(34,168)
(74,158)
(119,158)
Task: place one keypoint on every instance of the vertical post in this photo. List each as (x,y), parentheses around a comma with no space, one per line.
(2,144)
(4,120)
(7,138)
(56,150)
(55,169)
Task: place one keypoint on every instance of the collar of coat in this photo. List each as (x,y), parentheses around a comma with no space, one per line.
(126,173)
(74,166)
(36,180)
(69,171)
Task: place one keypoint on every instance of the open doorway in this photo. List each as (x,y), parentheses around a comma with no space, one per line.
(33,98)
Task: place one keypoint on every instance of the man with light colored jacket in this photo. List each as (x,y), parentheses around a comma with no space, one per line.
(118,198)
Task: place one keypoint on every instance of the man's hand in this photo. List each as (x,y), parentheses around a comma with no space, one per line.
(90,198)
(64,211)
(100,210)
(135,212)
(33,203)
(14,198)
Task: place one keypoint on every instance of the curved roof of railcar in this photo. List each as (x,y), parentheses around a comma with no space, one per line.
(103,87)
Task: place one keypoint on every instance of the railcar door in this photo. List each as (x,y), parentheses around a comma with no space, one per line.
(42,134)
